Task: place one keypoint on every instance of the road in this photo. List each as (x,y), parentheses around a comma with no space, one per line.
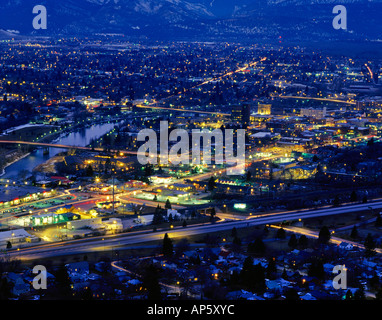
(107,243)
(63,146)
(315,234)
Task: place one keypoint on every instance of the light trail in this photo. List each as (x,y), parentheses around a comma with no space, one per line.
(230,73)
(315,98)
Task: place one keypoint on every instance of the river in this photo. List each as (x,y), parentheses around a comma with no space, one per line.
(81,138)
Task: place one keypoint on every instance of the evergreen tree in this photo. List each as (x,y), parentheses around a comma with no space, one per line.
(336,201)
(168,204)
(236,243)
(303,241)
(378,221)
(271,268)
(211,184)
(316,269)
(158,216)
(256,247)
(280,234)
(151,283)
(353,196)
(5,288)
(292,241)
(253,276)
(89,171)
(167,246)
(369,245)
(354,233)
(324,235)
(63,283)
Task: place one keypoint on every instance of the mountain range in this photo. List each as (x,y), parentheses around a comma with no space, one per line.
(199,20)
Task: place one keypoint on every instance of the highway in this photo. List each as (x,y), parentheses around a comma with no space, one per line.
(63,146)
(120,241)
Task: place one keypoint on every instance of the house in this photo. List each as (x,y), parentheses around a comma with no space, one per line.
(345,246)
(307,296)
(81,267)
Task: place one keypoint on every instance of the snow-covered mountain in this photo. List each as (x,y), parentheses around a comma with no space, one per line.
(197,19)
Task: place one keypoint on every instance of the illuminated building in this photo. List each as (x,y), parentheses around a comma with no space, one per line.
(241,114)
(264,109)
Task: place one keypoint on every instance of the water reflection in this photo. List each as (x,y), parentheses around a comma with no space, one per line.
(79,138)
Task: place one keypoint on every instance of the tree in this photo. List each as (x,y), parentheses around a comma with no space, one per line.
(168,204)
(353,196)
(336,201)
(271,268)
(378,221)
(316,269)
(234,232)
(280,234)
(89,171)
(151,282)
(212,213)
(211,184)
(303,241)
(236,244)
(158,216)
(324,235)
(253,276)
(256,247)
(354,233)
(369,245)
(292,241)
(5,289)
(63,283)
(167,246)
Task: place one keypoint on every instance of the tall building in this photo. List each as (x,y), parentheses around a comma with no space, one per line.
(264,109)
(241,114)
